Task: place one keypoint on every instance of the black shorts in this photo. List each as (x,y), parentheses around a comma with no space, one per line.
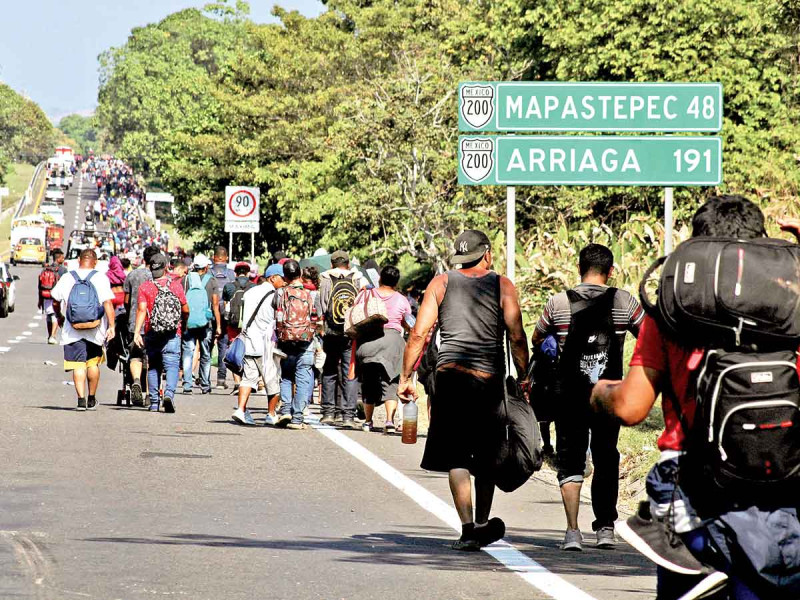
(464,430)
(376,387)
(136,352)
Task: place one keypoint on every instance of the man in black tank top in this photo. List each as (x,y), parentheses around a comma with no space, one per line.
(475,308)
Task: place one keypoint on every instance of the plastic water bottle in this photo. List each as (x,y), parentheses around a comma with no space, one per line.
(279,315)
(410,412)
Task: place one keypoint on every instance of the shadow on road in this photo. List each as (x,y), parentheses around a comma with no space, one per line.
(432,550)
(72,408)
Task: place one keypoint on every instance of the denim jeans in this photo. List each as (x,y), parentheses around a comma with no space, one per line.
(222,348)
(296,369)
(339,394)
(163,354)
(205,337)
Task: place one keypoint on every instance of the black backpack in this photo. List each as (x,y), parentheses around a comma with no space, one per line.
(236,304)
(592,349)
(738,301)
(343,296)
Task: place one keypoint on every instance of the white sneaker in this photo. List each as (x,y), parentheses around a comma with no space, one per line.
(271,420)
(243,417)
(605,538)
(51,340)
(573,540)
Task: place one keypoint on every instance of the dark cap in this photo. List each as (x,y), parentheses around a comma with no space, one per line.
(470,246)
(340,255)
(157,264)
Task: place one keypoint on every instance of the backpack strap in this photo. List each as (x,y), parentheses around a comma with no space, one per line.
(75,276)
(258,307)
(90,275)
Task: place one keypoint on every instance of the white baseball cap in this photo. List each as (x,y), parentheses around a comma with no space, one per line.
(201,261)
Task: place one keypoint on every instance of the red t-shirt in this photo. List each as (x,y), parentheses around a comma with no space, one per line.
(655,351)
(148,292)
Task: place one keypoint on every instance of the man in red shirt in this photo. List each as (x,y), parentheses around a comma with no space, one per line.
(758,549)
(163,310)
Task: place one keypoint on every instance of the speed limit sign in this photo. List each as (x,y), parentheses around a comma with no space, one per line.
(241,209)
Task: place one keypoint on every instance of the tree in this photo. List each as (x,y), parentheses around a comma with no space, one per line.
(26,134)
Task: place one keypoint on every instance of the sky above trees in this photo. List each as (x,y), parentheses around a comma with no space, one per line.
(49,49)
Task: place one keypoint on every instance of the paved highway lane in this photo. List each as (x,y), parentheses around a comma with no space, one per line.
(122,503)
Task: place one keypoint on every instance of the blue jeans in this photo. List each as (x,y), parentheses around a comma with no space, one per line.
(339,393)
(296,369)
(205,336)
(163,354)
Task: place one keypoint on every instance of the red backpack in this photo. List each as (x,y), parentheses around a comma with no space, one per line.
(47,281)
(296,316)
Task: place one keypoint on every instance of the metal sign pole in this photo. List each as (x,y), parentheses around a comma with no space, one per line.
(252,247)
(511,231)
(230,246)
(668,220)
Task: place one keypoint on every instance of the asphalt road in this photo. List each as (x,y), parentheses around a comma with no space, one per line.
(122,503)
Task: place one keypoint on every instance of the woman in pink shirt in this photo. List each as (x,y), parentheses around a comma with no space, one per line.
(380,360)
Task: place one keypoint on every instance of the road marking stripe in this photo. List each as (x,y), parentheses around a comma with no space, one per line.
(506,554)
(13,341)
(27,333)
(5,348)
(33,324)
(37,317)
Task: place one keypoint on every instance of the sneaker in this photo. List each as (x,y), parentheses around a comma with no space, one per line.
(337,421)
(136,395)
(389,427)
(466,544)
(153,407)
(187,391)
(653,538)
(81,404)
(605,538)
(169,404)
(492,531)
(349,424)
(221,385)
(296,426)
(204,392)
(270,420)
(51,340)
(243,417)
(573,540)
(367,426)
(283,420)
(326,420)
(91,403)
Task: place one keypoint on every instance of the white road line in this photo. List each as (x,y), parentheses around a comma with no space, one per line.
(4,348)
(13,341)
(506,554)
(27,333)
(37,317)
(33,324)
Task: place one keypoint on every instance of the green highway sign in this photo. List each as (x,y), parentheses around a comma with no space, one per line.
(589,160)
(589,106)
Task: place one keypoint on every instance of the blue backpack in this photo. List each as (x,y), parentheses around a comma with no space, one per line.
(84,310)
(197,299)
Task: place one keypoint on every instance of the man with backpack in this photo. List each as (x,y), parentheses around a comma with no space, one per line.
(161,310)
(258,328)
(48,278)
(720,347)
(589,323)
(296,323)
(223,276)
(204,322)
(82,302)
(339,287)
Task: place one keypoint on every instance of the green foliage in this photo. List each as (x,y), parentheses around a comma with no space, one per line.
(26,135)
(347,122)
(84,131)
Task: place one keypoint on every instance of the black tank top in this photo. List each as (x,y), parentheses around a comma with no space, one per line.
(469,321)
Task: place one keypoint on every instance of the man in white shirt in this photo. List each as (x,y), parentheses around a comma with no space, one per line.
(83,348)
(258,342)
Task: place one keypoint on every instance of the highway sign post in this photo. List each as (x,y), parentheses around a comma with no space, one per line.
(555,106)
(242,214)
(526,106)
